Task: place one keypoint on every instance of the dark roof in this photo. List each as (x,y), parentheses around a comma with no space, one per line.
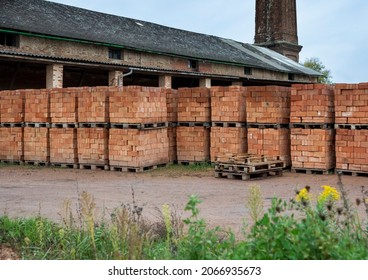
(53,19)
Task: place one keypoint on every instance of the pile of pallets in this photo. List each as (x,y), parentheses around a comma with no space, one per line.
(248,167)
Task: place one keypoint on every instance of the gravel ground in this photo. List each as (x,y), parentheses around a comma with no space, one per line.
(28,191)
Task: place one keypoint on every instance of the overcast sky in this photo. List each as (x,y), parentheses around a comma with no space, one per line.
(335,31)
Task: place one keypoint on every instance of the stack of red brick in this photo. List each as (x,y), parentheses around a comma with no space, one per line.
(172,118)
(136,104)
(64,105)
(313,104)
(193,132)
(194,105)
(37,106)
(268,116)
(93,105)
(351,103)
(11,130)
(228,116)
(139,147)
(312,133)
(12,106)
(11,144)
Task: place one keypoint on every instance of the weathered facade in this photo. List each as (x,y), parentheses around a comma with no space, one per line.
(45,44)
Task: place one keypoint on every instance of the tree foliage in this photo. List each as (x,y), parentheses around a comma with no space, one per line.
(316,64)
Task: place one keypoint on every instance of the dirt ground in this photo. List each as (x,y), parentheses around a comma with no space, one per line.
(29,191)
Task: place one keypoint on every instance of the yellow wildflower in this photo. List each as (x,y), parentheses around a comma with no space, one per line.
(303,195)
(329,194)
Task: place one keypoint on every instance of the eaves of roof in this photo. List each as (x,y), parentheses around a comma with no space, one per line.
(58,21)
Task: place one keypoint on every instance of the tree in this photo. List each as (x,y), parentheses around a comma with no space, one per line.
(316,64)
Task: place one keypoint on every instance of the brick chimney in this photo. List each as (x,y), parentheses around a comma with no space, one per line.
(276,27)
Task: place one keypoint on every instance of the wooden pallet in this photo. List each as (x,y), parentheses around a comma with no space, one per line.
(352,173)
(137,169)
(312,171)
(249,176)
(248,166)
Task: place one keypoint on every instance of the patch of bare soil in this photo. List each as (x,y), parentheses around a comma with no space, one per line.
(7,253)
(29,191)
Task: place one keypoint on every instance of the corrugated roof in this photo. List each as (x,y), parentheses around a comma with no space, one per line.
(53,19)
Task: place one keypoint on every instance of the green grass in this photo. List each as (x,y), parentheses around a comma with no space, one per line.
(287,230)
(178,170)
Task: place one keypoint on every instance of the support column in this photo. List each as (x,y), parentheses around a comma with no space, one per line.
(165,82)
(54,76)
(116,78)
(206,82)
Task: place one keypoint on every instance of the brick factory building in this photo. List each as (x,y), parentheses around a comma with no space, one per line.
(49,45)
(83,89)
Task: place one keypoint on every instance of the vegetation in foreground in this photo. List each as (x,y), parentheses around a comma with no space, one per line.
(307,227)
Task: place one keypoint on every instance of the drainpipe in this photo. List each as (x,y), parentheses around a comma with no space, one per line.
(121,77)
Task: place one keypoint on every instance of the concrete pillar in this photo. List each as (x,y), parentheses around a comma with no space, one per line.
(116,78)
(165,82)
(206,82)
(54,76)
(237,83)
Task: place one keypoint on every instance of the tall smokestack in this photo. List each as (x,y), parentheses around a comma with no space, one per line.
(276,27)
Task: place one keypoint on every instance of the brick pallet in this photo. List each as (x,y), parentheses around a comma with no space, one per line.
(11,144)
(194,105)
(225,140)
(352,150)
(37,106)
(173,151)
(172,105)
(63,146)
(248,167)
(64,105)
(92,147)
(268,105)
(313,149)
(193,144)
(12,106)
(312,103)
(36,145)
(270,142)
(135,104)
(93,106)
(351,104)
(132,148)
(228,104)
